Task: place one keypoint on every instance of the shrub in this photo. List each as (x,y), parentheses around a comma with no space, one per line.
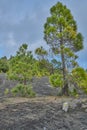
(23,90)
(6,91)
(56,80)
(80,77)
(73,93)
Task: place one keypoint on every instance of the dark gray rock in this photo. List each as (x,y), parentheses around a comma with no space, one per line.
(41,115)
(42,87)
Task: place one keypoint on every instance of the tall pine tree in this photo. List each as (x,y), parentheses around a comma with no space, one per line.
(60,32)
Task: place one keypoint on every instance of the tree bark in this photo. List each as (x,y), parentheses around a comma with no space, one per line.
(24,81)
(65,87)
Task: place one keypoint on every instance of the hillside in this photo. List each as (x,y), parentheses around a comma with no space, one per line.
(43,112)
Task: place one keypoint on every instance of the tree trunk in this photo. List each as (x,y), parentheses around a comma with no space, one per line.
(65,90)
(24,81)
(65,87)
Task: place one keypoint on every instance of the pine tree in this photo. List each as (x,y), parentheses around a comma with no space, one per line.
(60,32)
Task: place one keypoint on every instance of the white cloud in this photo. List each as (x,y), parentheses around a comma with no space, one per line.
(9,46)
(11,41)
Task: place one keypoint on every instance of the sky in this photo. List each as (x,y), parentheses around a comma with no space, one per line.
(22,21)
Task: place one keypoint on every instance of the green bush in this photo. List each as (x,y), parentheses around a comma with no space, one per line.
(23,90)
(56,80)
(6,91)
(73,93)
(80,78)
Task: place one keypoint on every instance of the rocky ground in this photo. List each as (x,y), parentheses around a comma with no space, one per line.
(43,112)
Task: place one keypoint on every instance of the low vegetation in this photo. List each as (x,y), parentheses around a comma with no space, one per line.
(23,90)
